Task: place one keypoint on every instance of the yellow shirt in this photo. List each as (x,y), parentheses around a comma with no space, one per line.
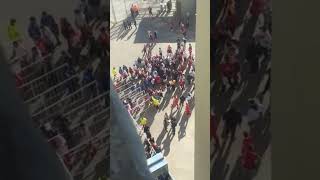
(114,72)
(155,101)
(13,33)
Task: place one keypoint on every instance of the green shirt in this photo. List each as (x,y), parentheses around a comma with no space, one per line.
(13,33)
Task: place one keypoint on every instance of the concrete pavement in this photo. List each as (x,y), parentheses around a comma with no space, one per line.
(126,47)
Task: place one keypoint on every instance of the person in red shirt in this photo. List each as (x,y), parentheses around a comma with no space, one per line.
(175,102)
(230,69)
(188,111)
(104,40)
(181,83)
(249,159)
(247,142)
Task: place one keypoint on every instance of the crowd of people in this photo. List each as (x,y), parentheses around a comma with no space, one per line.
(152,77)
(76,46)
(241,56)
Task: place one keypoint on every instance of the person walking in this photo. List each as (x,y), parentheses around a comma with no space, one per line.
(247,141)
(81,24)
(13,33)
(173,125)
(135,23)
(49,21)
(175,102)
(182,83)
(252,56)
(125,25)
(34,29)
(188,110)
(190,51)
(160,52)
(255,111)
(48,38)
(150,11)
(182,100)
(67,31)
(155,35)
(166,122)
(129,24)
(249,161)
(230,69)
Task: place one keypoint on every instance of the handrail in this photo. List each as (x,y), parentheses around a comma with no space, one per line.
(44,75)
(59,101)
(51,88)
(86,103)
(36,62)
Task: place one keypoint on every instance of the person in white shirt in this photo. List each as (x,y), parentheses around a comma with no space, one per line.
(255,110)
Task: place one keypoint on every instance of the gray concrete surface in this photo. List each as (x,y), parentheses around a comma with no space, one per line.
(178,150)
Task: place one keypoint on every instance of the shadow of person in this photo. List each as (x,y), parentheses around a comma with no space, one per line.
(161,136)
(133,32)
(220,166)
(166,144)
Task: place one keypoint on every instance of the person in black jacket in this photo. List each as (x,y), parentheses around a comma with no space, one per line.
(252,56)
(232,118)
(34,29)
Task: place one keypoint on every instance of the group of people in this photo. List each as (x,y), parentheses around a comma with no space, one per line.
(150,145)
(235,70)
(83,47)
(155,76)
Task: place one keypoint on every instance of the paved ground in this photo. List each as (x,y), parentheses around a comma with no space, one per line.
(178,150)
(225,162)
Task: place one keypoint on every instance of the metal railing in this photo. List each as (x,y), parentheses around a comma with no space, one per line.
(61,103)
(41,84)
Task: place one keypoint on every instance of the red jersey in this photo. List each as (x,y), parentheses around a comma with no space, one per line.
(158,80)
(249,160)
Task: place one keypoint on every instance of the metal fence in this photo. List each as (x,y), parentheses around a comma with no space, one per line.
(41,84)
(57,101)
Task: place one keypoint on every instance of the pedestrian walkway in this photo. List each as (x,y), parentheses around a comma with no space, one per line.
(179,149)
